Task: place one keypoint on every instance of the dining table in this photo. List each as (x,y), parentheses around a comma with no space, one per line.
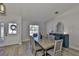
(46,44)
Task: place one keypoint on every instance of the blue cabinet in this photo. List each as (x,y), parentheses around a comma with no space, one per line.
(65,38)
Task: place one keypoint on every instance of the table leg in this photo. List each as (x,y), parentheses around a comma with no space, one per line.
(45,53)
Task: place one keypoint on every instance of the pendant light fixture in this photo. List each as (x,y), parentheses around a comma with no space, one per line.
(2,8)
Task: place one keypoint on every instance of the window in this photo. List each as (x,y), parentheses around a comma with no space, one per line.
(34,29)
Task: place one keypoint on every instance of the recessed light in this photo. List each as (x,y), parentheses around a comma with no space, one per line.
(56,12)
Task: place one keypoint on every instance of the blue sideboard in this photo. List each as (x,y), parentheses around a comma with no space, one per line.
(65,38)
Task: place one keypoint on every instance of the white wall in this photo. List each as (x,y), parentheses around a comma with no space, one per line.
(13,14)
(25,28)
(11,39)
(16,10)
(70,19)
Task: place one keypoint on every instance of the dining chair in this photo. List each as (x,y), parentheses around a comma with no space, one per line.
(57,50)
(35,47)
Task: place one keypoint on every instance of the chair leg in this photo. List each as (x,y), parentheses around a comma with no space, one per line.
(61,53)
(45,52)
(57,54)
(34,52)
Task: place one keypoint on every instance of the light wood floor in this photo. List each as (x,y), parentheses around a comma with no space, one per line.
(25,50)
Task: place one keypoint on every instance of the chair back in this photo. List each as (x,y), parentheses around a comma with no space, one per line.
(58,46)
(36,37)
(32,42)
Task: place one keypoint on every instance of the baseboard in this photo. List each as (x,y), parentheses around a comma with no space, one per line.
(75,48)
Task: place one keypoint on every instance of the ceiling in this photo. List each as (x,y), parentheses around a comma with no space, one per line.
(36,12)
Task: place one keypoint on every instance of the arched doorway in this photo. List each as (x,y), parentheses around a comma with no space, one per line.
(60,27)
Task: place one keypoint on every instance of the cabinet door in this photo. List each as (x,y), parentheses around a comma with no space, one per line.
(66,41)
